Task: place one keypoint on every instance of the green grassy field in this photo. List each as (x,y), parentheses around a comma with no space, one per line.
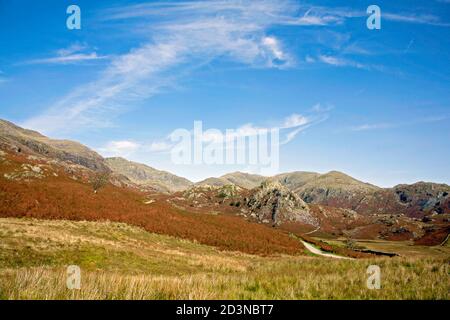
(118,261)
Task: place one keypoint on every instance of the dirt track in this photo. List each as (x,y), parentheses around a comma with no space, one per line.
(314,250)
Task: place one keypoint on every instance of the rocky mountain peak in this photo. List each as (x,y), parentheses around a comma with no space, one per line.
(273,203)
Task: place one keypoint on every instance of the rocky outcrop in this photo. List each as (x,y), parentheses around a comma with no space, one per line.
(273,203)
(423,197)
(336,189)
(26,172)
(416,200)
(207,195)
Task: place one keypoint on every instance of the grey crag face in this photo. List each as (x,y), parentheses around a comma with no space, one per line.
(272,202)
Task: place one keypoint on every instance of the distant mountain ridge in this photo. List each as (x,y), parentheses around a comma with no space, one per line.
(296,179)
(19,139)
(240,179)
(334,189)
(144,175)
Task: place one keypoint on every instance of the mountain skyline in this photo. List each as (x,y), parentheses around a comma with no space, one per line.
(19,139)
(371,103)
(284,198)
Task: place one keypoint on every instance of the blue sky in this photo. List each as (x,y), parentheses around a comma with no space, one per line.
(372,103)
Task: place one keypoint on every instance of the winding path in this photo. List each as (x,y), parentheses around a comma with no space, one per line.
(319,252)
(316,229)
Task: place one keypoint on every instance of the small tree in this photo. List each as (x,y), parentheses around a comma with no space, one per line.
(99,181)
(350,243)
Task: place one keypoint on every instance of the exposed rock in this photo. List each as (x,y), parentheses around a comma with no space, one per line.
(228,191)
(274,202)
(346,213)
(335,189)
(387,220)
(212,194)
(338,190)
(399,230)
(26,172)
(424,197)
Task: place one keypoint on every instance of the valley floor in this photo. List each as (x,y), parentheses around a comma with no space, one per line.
(119,261)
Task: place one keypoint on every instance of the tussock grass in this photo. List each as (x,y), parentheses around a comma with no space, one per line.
(303,278)
(108,246)
(123,262)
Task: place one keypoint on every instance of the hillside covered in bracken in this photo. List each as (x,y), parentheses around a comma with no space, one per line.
(39,189)
(58,179)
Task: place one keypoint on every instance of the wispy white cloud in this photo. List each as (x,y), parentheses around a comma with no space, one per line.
(414,18)
(298,123)
(160,146)
(274,48)
(122,148)
(316,16)
(78,57)
(73,54)
(309,59)
(288,128)
(322,109)
(295,120)
(188,31)
(332,60)
(388,125)
(321,16)
(341,62)
(373,126)
(184,34)
(73,48)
